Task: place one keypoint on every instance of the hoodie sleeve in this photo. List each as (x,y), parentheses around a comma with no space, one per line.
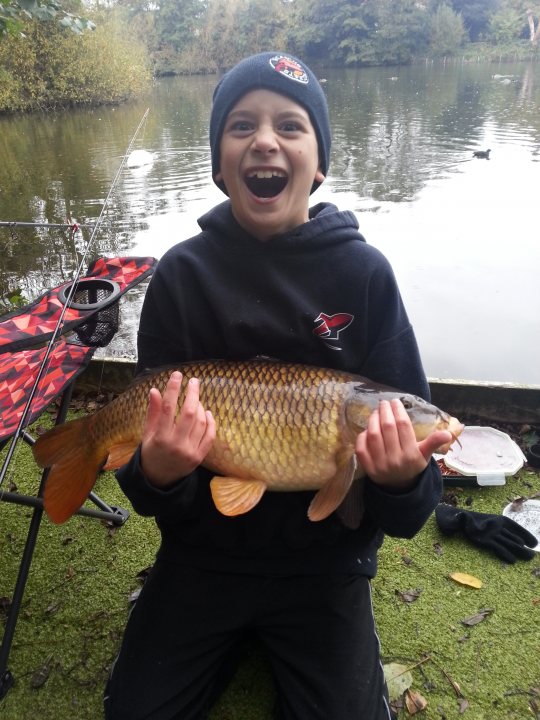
(404,514)
(394,360)
(149,500)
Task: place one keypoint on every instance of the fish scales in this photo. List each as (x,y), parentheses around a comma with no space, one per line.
(279,426)
(275,439)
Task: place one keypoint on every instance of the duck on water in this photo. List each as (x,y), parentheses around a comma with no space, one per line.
(483,154)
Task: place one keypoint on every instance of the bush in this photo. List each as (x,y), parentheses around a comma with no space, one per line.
(53,67)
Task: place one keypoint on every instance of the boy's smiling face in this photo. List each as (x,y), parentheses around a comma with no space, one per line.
(269,160)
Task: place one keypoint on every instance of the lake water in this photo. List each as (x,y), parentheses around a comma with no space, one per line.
(461,233)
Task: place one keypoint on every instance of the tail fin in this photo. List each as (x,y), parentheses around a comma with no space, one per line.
(74,464)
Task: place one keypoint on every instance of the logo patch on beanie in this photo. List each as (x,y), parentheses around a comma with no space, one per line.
(289,68)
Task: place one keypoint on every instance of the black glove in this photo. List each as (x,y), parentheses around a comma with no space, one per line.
(506,538)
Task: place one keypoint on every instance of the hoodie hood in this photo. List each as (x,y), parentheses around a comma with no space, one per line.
(326,225)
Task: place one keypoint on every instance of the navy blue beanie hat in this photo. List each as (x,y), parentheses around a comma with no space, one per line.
(283,74)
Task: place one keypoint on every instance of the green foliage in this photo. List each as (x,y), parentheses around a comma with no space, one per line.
(13,14)
(505,26)
(53,68)
(383,32)
(202,36)
(447,33)
(178,24)
(476,14)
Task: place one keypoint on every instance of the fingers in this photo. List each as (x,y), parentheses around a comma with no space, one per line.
(175,441)
(161,410)
(436,442)
(192,421)
(389,431)
(388,450)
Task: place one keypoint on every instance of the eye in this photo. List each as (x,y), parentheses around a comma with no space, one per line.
(240,126)
(290,126)
(407,404)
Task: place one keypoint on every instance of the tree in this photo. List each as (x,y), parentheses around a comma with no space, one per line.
(515,19)
(384,32)
(179,23)
(476,15)
(447,33)
(534,34)
(13,12)
(505,26)
(51,68)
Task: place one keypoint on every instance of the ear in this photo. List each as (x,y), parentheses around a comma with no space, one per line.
(319,177)
(218,177)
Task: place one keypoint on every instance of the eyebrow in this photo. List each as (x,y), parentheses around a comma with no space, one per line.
(284,115)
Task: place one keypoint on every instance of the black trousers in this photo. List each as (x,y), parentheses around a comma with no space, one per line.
(183,633)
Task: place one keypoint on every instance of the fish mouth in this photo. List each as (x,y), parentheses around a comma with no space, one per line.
(455,428)
(266,182)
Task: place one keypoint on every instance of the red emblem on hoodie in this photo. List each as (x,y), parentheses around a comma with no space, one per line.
(330,326)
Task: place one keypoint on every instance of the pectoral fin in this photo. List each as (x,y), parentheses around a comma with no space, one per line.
(233,496)
(120,454)
(332,494)
(351,510)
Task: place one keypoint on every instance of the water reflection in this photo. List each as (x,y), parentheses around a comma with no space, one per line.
(459,232)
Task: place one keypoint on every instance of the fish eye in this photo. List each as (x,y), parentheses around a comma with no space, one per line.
(407,404)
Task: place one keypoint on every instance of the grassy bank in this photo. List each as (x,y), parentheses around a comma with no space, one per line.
(84,573)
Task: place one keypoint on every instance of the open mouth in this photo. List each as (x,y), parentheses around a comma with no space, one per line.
(266,183)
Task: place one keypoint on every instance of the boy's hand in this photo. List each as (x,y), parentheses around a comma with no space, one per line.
(174,445)
(389,451)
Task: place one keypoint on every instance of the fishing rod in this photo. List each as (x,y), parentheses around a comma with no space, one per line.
(60,321)
(64,226)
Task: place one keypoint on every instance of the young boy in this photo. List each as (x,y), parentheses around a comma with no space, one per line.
(268,276)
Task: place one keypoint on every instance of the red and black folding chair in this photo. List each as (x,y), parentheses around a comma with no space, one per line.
(31,369)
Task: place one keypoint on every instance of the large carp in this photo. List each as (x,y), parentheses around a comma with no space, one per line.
(279,426)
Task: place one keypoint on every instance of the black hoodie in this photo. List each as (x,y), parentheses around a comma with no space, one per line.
(317,295)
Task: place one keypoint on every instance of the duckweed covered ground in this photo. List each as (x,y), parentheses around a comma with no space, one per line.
(84,573)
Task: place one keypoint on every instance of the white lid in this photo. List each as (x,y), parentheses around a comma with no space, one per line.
(527,514)
(484,451)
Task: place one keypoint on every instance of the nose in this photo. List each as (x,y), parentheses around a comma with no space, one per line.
(264,139)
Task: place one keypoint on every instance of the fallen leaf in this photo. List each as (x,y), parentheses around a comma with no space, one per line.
(41,675)
(464,579)
(414,702)
(475,619)
(409,595)
(463,705)
(398,679)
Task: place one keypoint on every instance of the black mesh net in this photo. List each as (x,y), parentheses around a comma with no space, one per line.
(101,326)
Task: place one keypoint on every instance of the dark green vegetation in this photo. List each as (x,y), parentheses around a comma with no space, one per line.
(213,34)
(52,67)
(14,12)
(43,64)
(84,573)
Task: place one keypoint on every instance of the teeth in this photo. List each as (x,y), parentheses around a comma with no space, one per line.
(266,174)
